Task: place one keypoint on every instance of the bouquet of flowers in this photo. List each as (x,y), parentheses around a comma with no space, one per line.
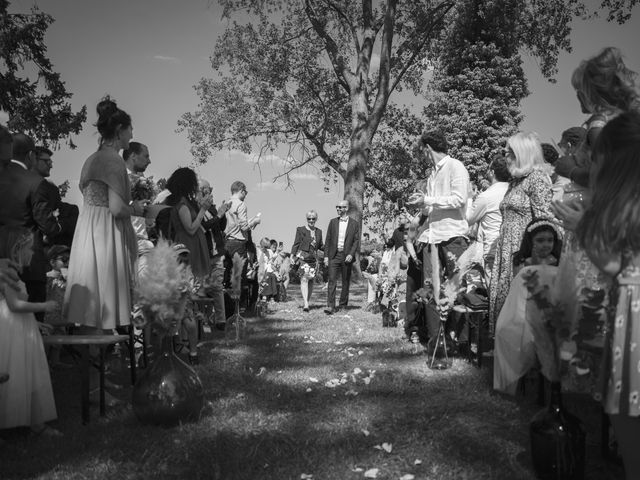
(142,188)
(163,290)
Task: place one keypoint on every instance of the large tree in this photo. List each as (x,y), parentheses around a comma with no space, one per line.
(315,77)
(31,92)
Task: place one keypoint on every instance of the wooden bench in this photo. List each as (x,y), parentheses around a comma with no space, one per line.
(83,343)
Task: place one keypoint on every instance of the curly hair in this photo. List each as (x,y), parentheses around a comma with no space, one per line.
(183,183)
(605,82)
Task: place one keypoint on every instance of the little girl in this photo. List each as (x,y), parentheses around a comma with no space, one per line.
(27,398)
(515,341)
(609,231)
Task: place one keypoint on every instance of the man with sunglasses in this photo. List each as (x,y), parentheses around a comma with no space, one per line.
(341,245)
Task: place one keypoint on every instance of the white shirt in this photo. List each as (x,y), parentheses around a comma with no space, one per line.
(342,231)
(486,212)
(446,196)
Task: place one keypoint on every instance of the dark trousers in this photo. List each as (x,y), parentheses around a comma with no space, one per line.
(337,265)
(37,292)
(453,247)
(233,246)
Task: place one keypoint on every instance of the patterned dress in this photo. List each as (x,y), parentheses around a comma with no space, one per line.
(622,348)
(527,198)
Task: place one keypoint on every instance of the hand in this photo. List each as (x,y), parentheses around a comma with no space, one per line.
(50,306)
(564,165)
(569,212)
(348,259)
(9,274)
(326,261)
(223,208)
(138,207)
(415,199)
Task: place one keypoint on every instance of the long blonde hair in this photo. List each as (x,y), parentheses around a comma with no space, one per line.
(13,242)
(528,154)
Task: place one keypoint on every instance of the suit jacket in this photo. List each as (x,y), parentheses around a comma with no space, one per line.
(67,215)
(25,202)
(302,242)
(351,239)
(214,231)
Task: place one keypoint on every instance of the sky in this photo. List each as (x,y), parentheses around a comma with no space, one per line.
(148,55)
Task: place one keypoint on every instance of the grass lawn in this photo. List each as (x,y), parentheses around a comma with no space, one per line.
(304,396)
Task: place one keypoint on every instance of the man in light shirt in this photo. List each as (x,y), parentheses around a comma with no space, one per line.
(486,210)
(444,204)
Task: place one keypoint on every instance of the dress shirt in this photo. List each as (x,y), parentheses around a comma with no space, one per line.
(486,212)
(17,162)
(446,201)
(342,232)
(237,222)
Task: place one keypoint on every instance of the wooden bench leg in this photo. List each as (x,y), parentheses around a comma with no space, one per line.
(84,382)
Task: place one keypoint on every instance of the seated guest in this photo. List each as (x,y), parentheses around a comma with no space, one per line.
(518,335)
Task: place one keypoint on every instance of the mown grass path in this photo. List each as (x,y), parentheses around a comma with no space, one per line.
(305,396)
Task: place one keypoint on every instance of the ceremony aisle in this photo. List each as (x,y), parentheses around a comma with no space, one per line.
(305,396)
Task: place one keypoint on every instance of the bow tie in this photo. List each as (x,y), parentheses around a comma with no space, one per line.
(344,219)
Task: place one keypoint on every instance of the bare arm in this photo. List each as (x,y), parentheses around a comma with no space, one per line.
(117,206)
(191,226)
(17,304)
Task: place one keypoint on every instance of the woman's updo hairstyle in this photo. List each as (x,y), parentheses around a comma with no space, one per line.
(111,119)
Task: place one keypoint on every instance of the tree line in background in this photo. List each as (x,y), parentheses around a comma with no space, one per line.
(316,78)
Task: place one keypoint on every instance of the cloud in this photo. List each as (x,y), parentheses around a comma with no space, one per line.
(164,58)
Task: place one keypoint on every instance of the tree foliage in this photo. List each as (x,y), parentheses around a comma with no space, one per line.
(311,80)
(38,106)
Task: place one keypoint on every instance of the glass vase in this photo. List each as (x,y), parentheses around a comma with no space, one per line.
(236,328)
(439,351)
(557,441)
(169,392)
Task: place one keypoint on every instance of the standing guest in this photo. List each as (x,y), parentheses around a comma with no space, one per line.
(605,88)
(24,202)
(444,203)
(183,185)
(104,249)
(342,244)
(27,399)
(238,226)
(136,158)
(214,223)
(571,142)
(610,233)
(399,235)
(528,198)
(67,214)
(486,210)
(305,250)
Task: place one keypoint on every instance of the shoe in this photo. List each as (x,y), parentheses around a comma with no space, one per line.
(305,309)
(45,431)
(330,310)
(193,360)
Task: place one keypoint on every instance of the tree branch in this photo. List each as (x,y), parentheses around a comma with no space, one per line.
(347,21)
(340,66)
(385,64)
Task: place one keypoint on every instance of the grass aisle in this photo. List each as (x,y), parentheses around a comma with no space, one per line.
(305,396)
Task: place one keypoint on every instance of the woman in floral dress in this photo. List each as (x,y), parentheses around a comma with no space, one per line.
(528,198)
(609,231)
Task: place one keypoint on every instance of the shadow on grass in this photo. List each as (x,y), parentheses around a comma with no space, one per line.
(293,398)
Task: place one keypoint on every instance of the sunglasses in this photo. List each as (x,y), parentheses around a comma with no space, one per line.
(341,207)
(312,218)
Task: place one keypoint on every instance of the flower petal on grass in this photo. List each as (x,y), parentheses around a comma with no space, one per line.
(356,371)
(357,469)
(387,447)
(313,379)
(407,476)
(366,380)
(365,432)
(417,462)
(306,476)
(371,473)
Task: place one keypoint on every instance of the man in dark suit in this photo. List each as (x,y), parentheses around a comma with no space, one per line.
(67,214)
(24,202)
(341,245)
